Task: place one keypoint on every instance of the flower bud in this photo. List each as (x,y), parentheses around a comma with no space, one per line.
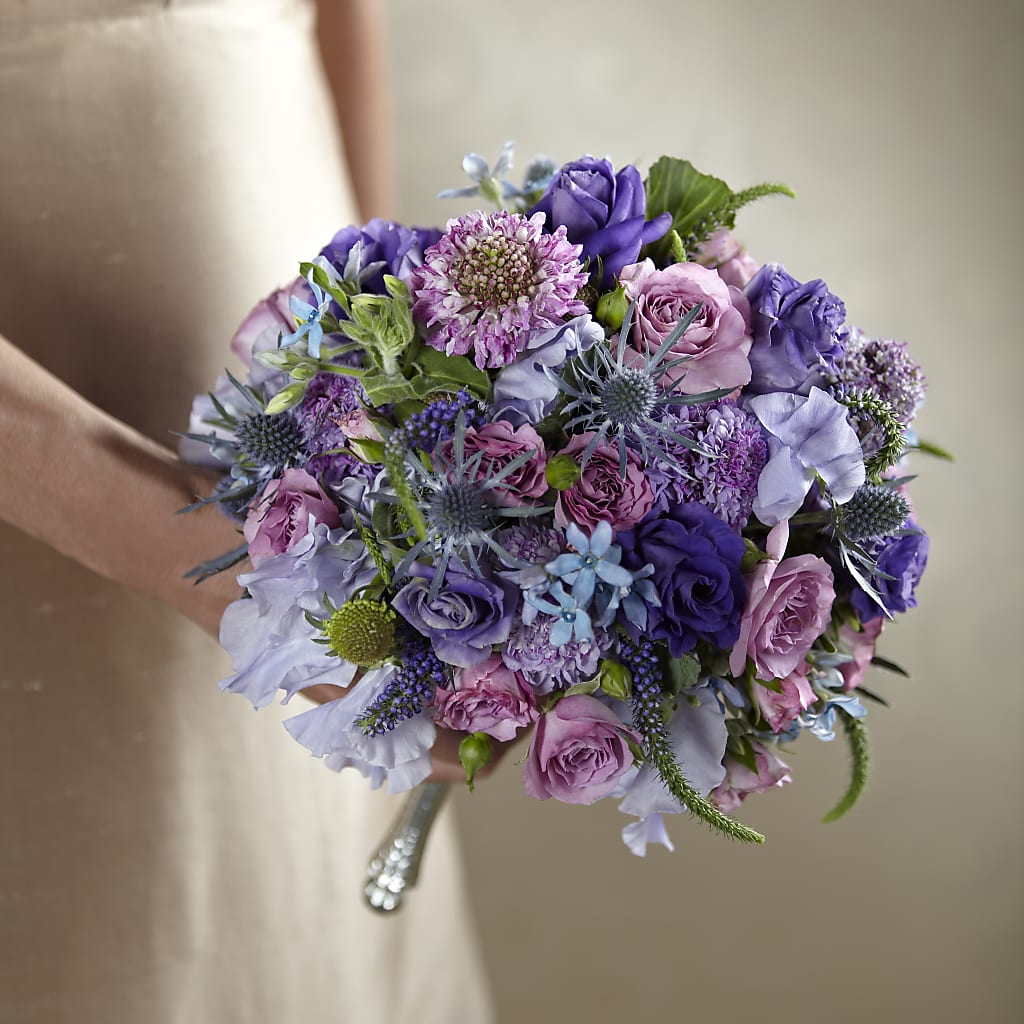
(474,752)
(562,472)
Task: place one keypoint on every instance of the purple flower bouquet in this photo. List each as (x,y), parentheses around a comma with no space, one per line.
(579,469)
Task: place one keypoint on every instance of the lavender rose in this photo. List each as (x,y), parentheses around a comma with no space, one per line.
(797,331)
(578,752)
(860,645)
(901,562)
(602,211)
(780,709)
(601,494)
(724,254)
(488,698)
(466,618)
(740,781)
(788,607)
(499,443)
(717,341)
(284,514)
(385,248)
(696,560)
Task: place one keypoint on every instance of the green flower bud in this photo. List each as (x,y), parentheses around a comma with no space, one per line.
(752,556)
(562,472)
(474,752)
(611,308)
(616,680)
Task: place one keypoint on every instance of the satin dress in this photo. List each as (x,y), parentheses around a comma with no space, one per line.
(167,854)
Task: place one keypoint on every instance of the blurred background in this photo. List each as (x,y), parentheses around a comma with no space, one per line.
(899,126)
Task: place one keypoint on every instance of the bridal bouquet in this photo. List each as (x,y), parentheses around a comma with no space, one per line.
(579,468)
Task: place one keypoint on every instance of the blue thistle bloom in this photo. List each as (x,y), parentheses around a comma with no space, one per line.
(411,690)
(308,317)
(624,402)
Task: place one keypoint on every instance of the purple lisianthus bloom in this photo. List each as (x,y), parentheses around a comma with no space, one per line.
(797,328)
(696,559)
(385,248)
(901,562)
(466,618)
(603,211)
(523,392)
(807,437)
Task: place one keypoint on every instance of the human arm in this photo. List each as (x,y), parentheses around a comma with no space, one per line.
(353,45)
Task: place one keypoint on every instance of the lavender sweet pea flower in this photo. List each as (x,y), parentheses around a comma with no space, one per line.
(523,392)
(384,247)
(603,211)
(400,756)
(698,735)
(806,437)
(797,331)
(465,619)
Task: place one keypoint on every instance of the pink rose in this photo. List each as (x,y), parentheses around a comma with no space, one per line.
(788,607)
(500,443)
(267,319)
(781,709)
(578,752)
(740,781)
(717,341)
(860,644)
(724,254)
(488,698)
(281,517)
(601,493)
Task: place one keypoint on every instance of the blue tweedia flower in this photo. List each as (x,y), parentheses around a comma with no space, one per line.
(572,619)
(722,472)
(530,652)
(408,693)
(624,401)
(594,558)
(632,600)
(308,317)
(451,498)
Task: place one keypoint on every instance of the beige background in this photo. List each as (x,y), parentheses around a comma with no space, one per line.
(899,125)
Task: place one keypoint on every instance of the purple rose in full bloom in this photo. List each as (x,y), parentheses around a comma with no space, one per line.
(285,512)
(797,331)
(603,211)
(901,562)
(466,618)
(781,708)
(578,752)
(601,494)
(387,248)
(489,698)
(696,560)
(499,443)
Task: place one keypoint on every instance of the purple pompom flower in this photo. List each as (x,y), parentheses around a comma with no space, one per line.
(797,331)
(493,279)
(603,211)
(885,370)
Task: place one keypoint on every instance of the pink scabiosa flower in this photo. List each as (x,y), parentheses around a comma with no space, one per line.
(491,280)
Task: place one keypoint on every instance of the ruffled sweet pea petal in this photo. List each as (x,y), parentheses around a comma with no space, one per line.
(647,830)
(781,487)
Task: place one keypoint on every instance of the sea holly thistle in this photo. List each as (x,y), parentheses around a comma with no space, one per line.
(622,398)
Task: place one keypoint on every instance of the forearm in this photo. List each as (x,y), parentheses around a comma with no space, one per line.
(106,496)
(353,47)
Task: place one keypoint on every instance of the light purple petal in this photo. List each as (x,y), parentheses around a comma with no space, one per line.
(647,830)
(781,487)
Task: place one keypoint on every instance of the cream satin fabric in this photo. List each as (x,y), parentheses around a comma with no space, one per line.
(167,855)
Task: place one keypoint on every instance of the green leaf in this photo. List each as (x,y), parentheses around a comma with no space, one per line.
(382,390)
(682,673)
(890,666)
(932,449)
(367,450)
(752,556)
(456,370)
(743,751)
(699,204)
(286,398)
(585,687)
(775,685)
(857,735)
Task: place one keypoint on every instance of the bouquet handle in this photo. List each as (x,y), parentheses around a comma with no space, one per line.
(395,867)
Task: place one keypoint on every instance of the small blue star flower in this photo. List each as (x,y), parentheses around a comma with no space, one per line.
(595,558)
(572,620)
(308,318)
